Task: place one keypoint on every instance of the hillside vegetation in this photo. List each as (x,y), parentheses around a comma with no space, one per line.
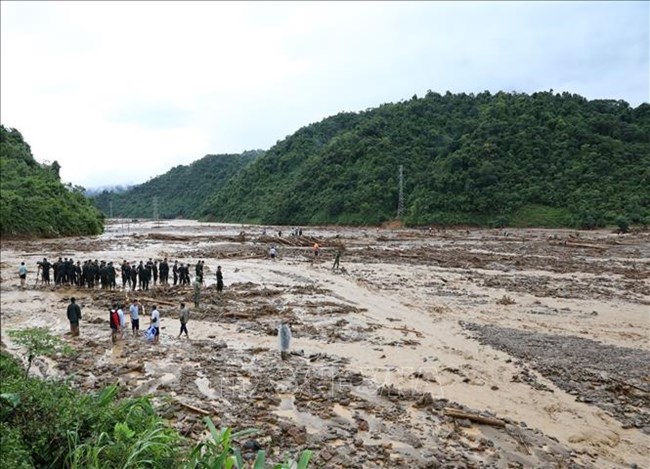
(34,201)
(507,159)
(180,192)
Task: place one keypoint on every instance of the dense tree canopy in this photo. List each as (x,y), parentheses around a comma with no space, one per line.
(181,191)
(489,159)
(525,160)
(34,201)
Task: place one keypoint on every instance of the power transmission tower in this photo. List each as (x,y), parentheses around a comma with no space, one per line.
(400,199)
(110,209)
(155,208)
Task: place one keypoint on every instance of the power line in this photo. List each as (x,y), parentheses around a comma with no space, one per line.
(400,199)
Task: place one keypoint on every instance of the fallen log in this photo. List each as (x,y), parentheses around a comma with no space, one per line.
(580,245)
(418,334)
(237,314)
(459,414)
(587,245)
(195,409)
(625,383)
(155,302)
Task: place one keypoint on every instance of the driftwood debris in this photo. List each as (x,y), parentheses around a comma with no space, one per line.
(625,383)
(572,244)
(139,368)
(459,414)
(155,302)
(418,334)
(195,409)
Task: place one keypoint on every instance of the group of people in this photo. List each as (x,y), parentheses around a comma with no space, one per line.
(102,274)
(118,320)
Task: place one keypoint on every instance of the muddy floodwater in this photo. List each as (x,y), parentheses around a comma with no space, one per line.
(442,348)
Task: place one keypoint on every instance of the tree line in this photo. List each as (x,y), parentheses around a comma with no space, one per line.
(504,159)
(180,192)
(488,159)
(34,200)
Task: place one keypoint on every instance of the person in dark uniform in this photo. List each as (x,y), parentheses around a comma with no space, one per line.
(154,271)
(219,280)
(46,266)
(74,315)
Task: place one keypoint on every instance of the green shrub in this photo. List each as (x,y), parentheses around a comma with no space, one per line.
(46,423)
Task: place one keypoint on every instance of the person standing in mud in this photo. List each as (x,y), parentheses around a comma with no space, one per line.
(141,274)
(120,314)
(22,274)
(175,272)
(96,271)
(55,271)
(184,272)
(114,321)
(85,272)
(134,276)
(155,322)
(337,260)
(103,275)
(69,271)
(164,271)
(149,267)
(124,269)
(184,317)
(146,277)
(219,280)
(46,266)
(74,316)
(154,271)
(134,310)
(197,291)
(77,275)
(111,276)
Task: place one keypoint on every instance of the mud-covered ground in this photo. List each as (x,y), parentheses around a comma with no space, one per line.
(539,338)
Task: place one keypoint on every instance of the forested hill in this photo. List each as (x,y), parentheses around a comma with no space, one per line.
(34,201)
(507,159)
(180,192)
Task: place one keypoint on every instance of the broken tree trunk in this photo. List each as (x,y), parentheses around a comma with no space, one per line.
(459,414)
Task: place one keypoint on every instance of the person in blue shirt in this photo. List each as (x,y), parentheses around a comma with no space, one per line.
(22,273)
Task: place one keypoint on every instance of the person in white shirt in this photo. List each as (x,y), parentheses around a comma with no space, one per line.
(155,322)
(120,313)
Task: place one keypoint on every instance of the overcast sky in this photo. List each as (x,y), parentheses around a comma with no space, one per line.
(119,92)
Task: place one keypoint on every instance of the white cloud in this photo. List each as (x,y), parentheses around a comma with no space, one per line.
(118,92)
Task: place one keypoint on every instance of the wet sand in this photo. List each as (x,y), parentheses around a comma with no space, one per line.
(416,323)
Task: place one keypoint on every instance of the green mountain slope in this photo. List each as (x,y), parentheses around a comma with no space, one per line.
(34,202)
(180,191)
(527,160)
